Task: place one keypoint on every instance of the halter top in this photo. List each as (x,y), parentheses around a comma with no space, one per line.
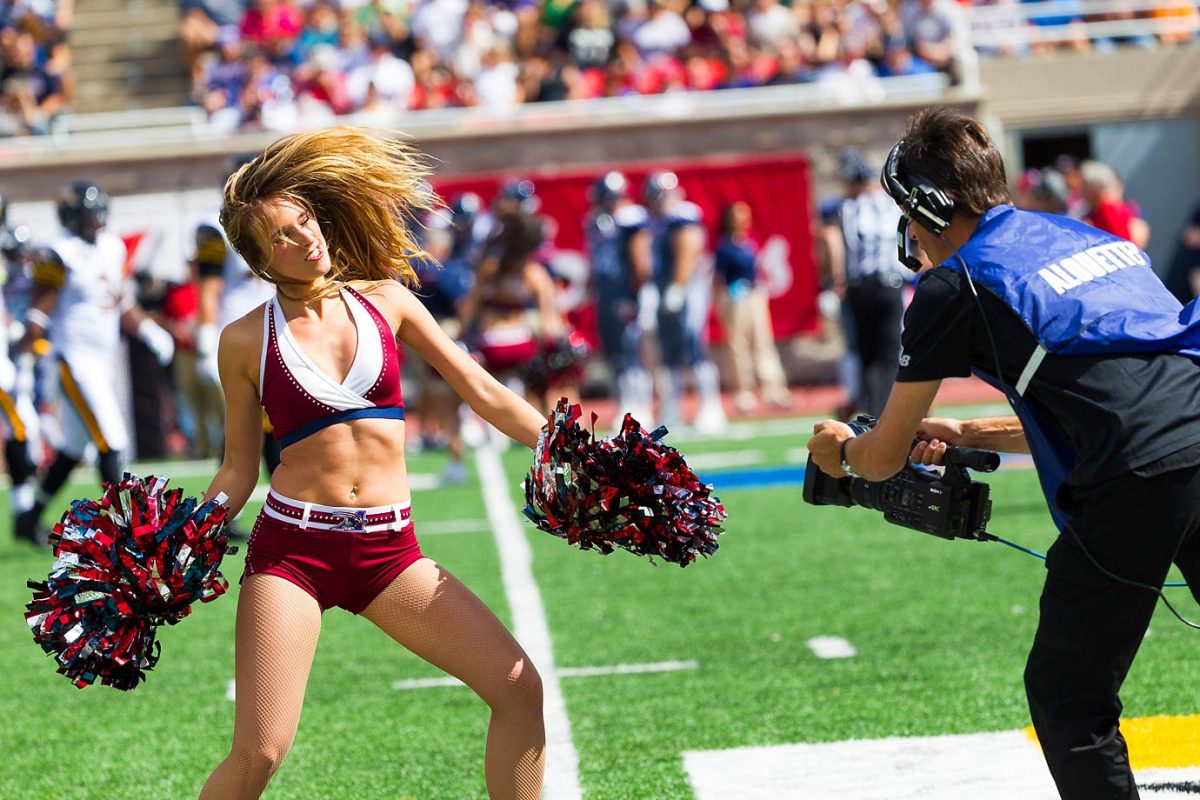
(300,399)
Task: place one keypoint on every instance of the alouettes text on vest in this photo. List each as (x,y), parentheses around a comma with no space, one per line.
(1092,263)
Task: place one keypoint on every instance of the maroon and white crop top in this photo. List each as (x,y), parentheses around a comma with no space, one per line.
(300,399)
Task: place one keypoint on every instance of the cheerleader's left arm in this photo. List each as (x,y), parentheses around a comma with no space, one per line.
(487,397)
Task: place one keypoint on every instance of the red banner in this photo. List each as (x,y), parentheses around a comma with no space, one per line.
(775,187)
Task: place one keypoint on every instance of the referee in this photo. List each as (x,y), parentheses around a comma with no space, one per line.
(859,237)
(1099,362)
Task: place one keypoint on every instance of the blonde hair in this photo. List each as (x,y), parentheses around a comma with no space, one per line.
(366,190)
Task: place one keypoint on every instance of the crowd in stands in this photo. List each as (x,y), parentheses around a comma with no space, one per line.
(277,59)
(269,62)
(36,79)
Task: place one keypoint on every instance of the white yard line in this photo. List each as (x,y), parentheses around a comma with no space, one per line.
(627,669)
(565,672)
(796,455)
(427,683)
(981,766)
(529,624)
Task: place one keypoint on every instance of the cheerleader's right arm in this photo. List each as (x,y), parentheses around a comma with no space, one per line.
(239,348)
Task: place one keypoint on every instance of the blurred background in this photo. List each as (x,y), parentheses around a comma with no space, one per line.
(780,109)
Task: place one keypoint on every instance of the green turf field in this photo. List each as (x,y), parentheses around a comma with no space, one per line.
(940,629)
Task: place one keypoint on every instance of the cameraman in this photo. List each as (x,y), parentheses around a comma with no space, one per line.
(1097,360)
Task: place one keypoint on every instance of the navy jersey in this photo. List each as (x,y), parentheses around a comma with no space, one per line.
(664,228)
(608,239)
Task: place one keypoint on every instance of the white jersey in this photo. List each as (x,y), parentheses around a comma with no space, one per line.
(241,290)
(86,320)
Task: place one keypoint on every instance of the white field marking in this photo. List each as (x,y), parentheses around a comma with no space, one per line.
(439,526)
(733,458)
(981,766)
(529,624)
(627,669)
(796,455)
(231,690)
(565,672)
(427,683)
(829,647)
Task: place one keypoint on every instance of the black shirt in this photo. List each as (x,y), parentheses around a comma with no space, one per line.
(1118,413)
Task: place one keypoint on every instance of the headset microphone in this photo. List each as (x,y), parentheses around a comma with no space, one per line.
(922,202)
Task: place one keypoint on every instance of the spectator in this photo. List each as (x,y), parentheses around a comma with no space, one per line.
(745,313)
(898,60)
(272,25)
(662,33)
(320,28)
(769,22)
(201,22)
(930,26)
(32,95)
(591,40)
(1107,208)
(322,80)
(496,86)
(1068,167)
(1042,190)
(391,77)
(437,24)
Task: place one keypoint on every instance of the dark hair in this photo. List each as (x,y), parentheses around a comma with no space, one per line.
(517,236)
(952,150)
(727,212)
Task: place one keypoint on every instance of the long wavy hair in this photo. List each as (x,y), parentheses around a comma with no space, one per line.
(367,191)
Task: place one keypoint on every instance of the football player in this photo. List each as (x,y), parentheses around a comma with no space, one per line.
(81,299)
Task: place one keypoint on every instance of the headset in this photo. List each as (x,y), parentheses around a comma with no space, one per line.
(922,202)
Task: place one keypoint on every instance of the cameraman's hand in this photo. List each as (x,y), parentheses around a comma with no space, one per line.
(943,429)
(936,434)
(932,452)
(826,446)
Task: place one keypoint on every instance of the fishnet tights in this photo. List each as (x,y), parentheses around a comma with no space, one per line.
(427,610)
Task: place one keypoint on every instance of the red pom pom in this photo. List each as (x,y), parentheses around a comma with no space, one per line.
(136,559)
(630,492)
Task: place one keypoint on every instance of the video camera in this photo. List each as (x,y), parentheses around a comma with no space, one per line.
(949,505)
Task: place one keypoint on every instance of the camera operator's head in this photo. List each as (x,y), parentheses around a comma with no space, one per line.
(945,173)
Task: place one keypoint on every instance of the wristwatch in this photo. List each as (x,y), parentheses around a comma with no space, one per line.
(846,468)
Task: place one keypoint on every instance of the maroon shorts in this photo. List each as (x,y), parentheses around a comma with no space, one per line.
(341,556)
(506,348)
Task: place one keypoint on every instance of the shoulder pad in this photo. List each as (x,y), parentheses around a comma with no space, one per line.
(830,207)
(631,216)
(48,268)
(687,213)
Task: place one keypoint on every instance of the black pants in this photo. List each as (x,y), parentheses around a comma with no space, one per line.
(876,310)
(1091,625)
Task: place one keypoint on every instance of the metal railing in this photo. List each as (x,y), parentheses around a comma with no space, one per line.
(147,131)
(1016,26)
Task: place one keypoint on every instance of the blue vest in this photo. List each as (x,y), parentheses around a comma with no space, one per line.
(1079,291)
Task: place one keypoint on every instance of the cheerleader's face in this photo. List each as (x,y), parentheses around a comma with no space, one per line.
(298,249)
